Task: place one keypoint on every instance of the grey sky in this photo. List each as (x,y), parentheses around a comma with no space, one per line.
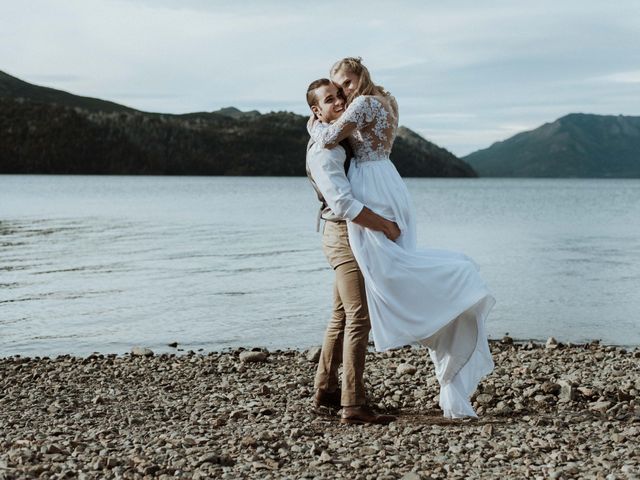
(465,73)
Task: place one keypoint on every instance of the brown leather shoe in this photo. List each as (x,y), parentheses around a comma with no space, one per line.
(323,400)
(361,414)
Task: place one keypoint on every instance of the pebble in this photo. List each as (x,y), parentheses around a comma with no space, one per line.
(406,369)
(573,413)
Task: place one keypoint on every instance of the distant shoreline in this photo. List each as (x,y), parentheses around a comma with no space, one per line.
(479,177)
(179,351)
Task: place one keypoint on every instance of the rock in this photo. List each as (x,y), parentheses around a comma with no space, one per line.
(253,357)
(313,354)
(506,340)
(217,459)
(504,411)
(487,430)
(406,369)
(410,476)
(550,387)
(455,449)
(325,457)
(248,441)
(551,343)
(617,437)
(237,414)
(54,448)
(599,406)
(586,391)
(141,352)
(567,392)
(151,469)
(624,396)
(192,414)
(219,422)
(514,452)
(173,344)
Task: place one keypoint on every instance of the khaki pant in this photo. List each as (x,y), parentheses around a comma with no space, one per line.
(347,334)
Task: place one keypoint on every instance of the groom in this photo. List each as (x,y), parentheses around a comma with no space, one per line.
(347,334)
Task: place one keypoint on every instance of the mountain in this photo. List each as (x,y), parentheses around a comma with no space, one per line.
(44,130)
(12,87)
(576,145)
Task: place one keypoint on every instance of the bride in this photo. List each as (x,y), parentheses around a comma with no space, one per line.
(427,296)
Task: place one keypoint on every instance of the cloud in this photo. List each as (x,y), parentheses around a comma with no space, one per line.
(465,74)
(621,77)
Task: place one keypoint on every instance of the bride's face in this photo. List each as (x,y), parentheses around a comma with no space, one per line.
(330,104)
(348,81)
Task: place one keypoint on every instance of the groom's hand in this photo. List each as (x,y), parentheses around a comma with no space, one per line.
(391,230)
(369,219)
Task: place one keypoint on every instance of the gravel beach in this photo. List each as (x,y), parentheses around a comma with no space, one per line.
(547,411)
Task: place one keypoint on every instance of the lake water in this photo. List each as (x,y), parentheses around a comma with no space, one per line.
(102,263)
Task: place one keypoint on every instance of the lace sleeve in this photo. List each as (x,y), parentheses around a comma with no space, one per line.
(359,113)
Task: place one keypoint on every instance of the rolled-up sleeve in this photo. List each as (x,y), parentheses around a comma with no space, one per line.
(327,169)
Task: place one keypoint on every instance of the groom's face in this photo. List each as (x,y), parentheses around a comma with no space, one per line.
(330,103)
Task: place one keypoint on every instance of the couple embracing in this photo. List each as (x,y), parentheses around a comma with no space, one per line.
(384,283)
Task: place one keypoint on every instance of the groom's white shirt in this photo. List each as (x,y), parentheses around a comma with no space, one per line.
(326,166)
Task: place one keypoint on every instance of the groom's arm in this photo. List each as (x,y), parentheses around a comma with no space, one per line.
(369,219)
(327,169)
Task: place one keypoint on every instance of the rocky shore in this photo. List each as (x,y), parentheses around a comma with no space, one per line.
(547,411)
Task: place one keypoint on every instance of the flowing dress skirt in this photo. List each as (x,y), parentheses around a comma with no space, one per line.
(428,296)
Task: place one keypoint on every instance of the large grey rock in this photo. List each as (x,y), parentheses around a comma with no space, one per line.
(313,354)
(551,343)
(141,352)
(253,357)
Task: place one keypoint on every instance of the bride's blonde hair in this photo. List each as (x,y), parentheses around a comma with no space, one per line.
(365,84)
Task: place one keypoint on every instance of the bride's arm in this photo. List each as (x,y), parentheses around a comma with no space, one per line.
(328,136)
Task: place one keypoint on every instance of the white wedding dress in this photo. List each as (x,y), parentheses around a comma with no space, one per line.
(429,296)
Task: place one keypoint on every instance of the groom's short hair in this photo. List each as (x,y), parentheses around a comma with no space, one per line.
(312,98)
